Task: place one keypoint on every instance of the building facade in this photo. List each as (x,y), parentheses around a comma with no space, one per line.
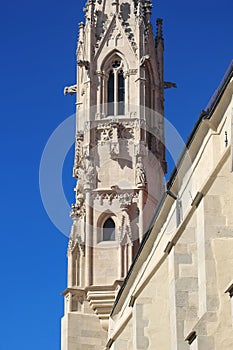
(148,267)
(119,159)
(178,292)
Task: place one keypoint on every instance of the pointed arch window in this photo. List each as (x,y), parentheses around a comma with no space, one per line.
(111,93)
(109,230)
(116,89)
(121,93)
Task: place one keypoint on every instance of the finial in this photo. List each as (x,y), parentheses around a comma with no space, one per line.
(115,4)
(148,6)
(81,32)
(159,34)
(139,12)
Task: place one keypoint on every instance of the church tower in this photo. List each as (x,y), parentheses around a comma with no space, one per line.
(119,159)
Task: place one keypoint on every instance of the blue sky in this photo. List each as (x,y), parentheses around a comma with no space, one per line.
(38,42)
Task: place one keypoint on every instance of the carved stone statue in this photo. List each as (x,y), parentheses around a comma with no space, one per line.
(79,174)
(90,173)
(114,149)
(79,198)
(140,173)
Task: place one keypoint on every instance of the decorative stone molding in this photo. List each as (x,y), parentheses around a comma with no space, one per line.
(133,71)
(71,245)
(77,211)
(114,132)
(104,134)
(125,228)
(114,194)
(76,241)
(126,131)
(73,298)
(101,299)
(125,200)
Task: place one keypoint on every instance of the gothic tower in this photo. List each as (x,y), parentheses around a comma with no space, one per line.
(119,159)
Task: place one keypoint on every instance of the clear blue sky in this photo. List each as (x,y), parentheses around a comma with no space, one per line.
(38,42)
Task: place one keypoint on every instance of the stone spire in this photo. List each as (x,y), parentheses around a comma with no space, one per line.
(119,157)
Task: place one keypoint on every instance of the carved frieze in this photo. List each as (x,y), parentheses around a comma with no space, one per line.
(104,134)
(133,71)
(125,198)
(115,131)
(126,131)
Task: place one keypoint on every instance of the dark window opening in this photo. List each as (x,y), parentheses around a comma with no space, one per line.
(111,93)
(121,93)
(116,64)
(109,230)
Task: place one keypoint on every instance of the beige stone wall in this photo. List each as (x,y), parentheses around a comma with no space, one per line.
(106,263)
(152,319)
(82,332)
(125,339)
(176,290)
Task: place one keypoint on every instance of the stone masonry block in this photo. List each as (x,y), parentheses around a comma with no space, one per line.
(187,284)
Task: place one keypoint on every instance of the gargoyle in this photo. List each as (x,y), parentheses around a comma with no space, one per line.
(70,89)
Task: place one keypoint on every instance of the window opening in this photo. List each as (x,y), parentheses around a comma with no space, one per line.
(116,64)
(111,93)
(121,93)
(109,230)
(116,89)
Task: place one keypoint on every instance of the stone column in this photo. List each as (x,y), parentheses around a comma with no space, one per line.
(127,77)
(89,238)
(68,303)
(141,206)
(115,92)
(82,272)
(69,255)
(99,94)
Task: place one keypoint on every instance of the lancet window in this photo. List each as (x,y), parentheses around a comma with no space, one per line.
(116,89)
